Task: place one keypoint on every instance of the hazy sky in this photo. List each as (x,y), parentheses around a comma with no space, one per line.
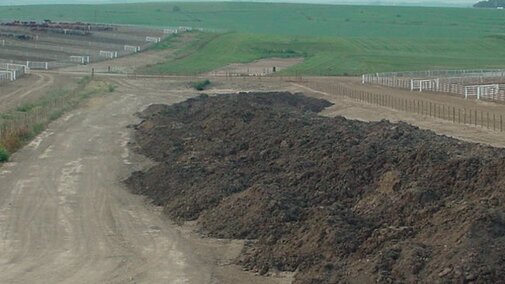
(390,2)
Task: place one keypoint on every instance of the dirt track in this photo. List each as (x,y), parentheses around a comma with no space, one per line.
(66,218)
(129,64)
(352,109)
(29,88)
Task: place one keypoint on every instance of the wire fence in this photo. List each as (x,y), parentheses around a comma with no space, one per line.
(443,73)
(12,71)
(445,81)
(51,51)
(492,120)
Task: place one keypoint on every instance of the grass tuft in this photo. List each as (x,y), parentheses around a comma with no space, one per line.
(201,85)
(111,88)
(25,107)
(4,155)
(30,119)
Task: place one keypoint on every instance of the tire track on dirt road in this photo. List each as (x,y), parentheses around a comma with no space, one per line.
(44,80)
(48,81)
(65,217)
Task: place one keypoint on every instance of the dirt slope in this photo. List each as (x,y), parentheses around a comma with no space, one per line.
(336,200)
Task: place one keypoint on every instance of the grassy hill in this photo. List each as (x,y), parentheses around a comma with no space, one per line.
(490,4)
(281,19)
(334,39)
(338,56)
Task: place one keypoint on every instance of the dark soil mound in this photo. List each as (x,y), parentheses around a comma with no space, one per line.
(334,199)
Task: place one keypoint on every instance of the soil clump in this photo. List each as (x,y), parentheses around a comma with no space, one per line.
(336,200)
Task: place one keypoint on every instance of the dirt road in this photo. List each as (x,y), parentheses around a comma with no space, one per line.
(65,216)
(353,109)
(29,88)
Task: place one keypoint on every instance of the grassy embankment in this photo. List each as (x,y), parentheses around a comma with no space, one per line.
(334,40)
(19,126)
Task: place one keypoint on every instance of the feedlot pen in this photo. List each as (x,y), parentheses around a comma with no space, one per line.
(478,84)
(48,45)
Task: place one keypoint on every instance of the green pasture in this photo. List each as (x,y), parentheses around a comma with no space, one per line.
(334,40)
(336,56)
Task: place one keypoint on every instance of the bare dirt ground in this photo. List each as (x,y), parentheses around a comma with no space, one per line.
(256,68)
(352,109)
(31,87)
(450,99)
(128,64)
(43,44)
(66,218)
(122,65)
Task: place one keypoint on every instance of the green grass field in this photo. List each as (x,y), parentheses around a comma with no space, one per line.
(334,40)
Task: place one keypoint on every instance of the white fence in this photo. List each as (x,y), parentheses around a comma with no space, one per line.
(375,77)
(80,59)
(175,30)
(20,68)
(7,75)
(38,65)
(153,39)
(108,54)
(11,71)
(491,91)
(423,84)
(131,48)
(461,82)
(170,31)
(187,29)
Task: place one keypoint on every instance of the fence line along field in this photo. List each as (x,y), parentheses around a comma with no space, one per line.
(469,114)
(477,84)
(46,44)
(11,71)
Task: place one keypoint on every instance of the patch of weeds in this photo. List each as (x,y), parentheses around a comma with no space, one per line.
(85,94)
(25,134)
(25,107)
(5,116)
(31,119)
(111,88)
(201,85)
(55,115)
(283,53)
(84,80)
(166,43)
(496,36)
(4,155)
(37,129)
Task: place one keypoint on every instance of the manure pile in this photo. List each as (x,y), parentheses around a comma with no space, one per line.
(334,199)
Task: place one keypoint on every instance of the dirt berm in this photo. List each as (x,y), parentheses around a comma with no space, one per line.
(336,200)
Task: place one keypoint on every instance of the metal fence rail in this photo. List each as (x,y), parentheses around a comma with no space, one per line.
(12,71)
(471,116)
(444,81)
